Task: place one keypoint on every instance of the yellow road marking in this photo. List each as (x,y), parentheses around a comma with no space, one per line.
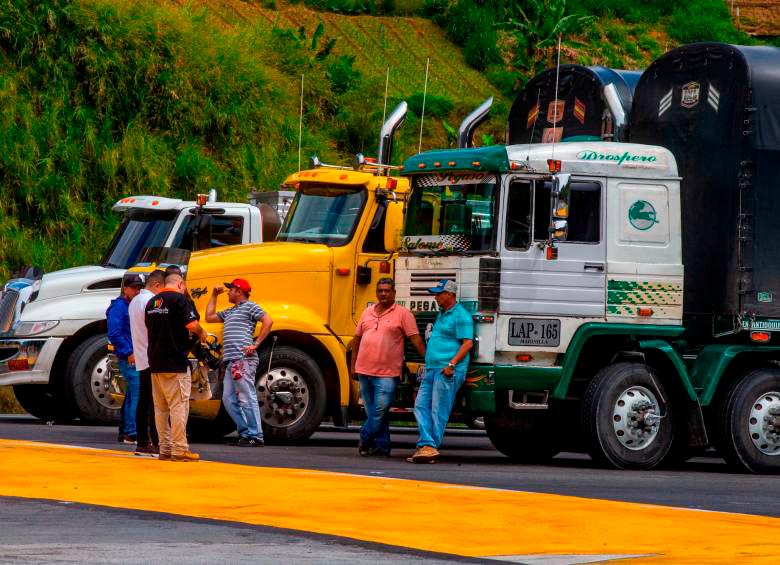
(464,520)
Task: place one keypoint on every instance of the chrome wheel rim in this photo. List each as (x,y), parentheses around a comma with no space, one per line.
(283,396)
(104,383)
(636,418)
(764,423)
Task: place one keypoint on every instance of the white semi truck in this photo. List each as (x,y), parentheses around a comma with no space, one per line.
(53,344)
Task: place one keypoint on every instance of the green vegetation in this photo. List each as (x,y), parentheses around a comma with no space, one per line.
(104,98)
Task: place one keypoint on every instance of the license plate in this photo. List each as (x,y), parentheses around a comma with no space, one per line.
(531,331)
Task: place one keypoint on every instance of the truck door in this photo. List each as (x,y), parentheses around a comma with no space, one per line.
(572,285)
(371,262)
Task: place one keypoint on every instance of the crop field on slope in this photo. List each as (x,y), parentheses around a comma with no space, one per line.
(401,43)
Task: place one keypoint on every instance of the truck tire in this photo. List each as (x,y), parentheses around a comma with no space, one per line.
(87,374)
(292,396)
(620,412)
(41,402)
(750,421)
(525,436)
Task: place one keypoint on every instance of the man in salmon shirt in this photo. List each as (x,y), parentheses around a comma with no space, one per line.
(377,362)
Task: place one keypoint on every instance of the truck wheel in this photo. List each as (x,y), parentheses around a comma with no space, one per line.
(90,382)
(751,422)
(41,402)
(627,417)
(291,395)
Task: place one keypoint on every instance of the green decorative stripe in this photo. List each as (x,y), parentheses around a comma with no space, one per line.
(624,296)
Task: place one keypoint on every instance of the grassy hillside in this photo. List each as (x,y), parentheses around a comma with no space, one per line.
(104,98)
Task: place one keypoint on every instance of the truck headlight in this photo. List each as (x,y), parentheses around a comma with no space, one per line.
(34,328)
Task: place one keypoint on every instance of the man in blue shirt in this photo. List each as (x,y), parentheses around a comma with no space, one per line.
(119,336)
(446,361)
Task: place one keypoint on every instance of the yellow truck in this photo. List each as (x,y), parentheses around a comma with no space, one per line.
(337,241)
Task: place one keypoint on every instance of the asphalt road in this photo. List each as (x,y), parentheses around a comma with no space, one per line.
(702,483)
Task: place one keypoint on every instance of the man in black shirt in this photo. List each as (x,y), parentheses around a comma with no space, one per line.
(170,318)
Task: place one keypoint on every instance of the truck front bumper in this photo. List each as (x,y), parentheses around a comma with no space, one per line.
(27,361)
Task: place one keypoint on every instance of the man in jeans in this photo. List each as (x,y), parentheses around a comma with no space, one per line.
(239,351)
(377,362)
(446,361)
(170,317)
(147,441)
(119,336)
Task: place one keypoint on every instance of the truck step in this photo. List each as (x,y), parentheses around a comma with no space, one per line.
(535,400)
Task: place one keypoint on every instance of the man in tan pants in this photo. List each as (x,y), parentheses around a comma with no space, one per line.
(170,318)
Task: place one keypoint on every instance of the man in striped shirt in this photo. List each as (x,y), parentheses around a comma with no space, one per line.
(239,352)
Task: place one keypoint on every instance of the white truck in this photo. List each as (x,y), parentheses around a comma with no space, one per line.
(53,344)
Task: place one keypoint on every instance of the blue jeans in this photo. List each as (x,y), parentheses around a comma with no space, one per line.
(132,394)
(377,394)
(240,399)
(434,403)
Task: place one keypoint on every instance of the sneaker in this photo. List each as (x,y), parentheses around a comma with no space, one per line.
(377,452)
(425,454)
(186,457)
(148,450)
(164,457)
(363,449)
(120,438)
(129,440)
(250,442)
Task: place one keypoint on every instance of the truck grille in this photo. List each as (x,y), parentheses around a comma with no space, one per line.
(7,310)
(421,282)
(422,319)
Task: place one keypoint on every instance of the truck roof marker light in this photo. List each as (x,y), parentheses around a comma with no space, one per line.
(342,271)
(343,177)
(475,163)
(514,165)
(451,163)
(202,199)
(421,165)
(554,165)
(524,357)
(760,337)
(392,183)
(645,312)
(384,267)
(155,202)
(437,164)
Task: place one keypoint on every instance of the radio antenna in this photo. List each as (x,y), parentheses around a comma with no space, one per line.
(422,112)
(555,106)
(387,82)
(300,127)
(533,129)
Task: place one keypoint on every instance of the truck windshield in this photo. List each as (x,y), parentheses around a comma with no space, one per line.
(451,213)
(324,214)
(138,231)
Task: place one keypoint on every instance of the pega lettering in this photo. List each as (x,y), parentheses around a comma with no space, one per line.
(589,155)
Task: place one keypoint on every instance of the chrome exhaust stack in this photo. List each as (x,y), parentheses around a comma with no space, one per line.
(389,128)
(472,122)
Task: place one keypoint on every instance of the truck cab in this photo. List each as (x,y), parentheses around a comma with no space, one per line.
(559,266)
(314,281)
(53,340)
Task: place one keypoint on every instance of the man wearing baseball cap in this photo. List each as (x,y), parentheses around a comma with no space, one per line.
(239,352)
(118,321)
(446,361)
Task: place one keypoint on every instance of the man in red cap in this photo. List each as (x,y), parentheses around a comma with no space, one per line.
(239,352)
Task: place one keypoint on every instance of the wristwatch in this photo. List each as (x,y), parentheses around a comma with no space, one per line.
(451,365)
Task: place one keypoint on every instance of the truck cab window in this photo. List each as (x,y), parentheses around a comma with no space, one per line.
(584,212)
(518,215)
(227,230)
(375,240)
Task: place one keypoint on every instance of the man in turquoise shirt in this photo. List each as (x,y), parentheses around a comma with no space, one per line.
(446,361)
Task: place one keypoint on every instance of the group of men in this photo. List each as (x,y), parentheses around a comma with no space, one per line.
(151,327)
(378,358)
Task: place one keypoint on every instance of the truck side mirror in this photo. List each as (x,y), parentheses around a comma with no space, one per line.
(394,222)
(202,232)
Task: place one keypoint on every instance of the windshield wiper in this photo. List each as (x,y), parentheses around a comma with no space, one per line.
(293,239)
(110,264)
